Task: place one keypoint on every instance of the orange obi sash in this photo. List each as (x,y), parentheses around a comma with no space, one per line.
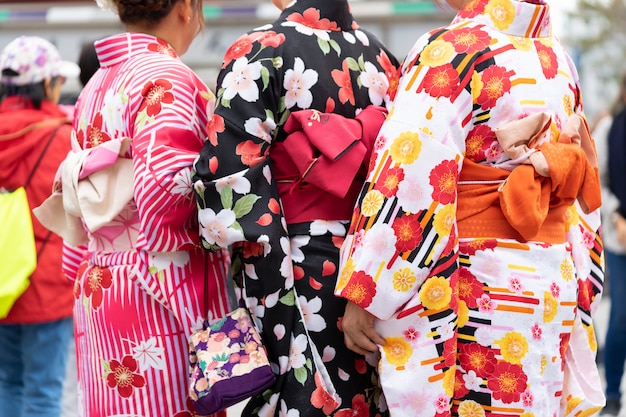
(529,201)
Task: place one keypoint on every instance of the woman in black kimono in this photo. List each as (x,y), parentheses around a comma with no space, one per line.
(284,201)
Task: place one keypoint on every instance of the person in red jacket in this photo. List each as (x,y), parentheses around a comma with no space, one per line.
(35,336)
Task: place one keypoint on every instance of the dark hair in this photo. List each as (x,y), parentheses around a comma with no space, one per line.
(34,94)
(88,62)
(147,11)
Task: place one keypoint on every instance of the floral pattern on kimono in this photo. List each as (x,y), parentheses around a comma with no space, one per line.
(289,268)
(475,325)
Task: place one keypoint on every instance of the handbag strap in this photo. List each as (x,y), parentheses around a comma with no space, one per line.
(58,123)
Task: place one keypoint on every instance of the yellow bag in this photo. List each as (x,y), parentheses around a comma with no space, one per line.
(18,255)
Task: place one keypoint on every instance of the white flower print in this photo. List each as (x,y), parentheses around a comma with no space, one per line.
(298,83)
(286,266)
(484,336)
(296,243)
(284,412)
(314,322)
(307,30)
(412,196)
(472,381)
(376,83)
(163,260)
(328,354)
(321,227)
(251,272)
(269,408)
(380,242)
(241,80)
(446,331)
(182,183)
(349,37)
(421,403)
(112,118)
(237,182)
(259,128)
(362,37)
(148,354)
(216,227)
(296,357)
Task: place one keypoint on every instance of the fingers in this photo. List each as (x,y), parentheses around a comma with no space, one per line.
(359,333)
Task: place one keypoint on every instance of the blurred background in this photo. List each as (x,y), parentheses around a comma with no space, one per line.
(593,30)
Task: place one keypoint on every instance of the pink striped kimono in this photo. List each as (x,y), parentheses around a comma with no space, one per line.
(139,288)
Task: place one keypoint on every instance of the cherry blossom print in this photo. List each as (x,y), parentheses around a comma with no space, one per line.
(516,285)
(360,408)
(250,153)
(94,135)
(467,40)
(408,231)
(555,289)
(441,81)
(162,47)
(507,382)
(260,128)
(239,49)
(287,412)
(96,280)
(548,60)
(123,376)
(486,304)
(495,82)
(389,180)
(478,141)
(309,23)
(298,82)
(156,93)
(411,334)
(344,81)
(214,127)
(376,82)
(444,178)
(380,241)
(149,355)
(360,289)
(321,399)
(392,73)
(241,80)
(310,309)
(217,228)
(237,182)
(412,195)
(271,39)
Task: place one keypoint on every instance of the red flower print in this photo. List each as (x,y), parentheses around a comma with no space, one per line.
(460,390)
(95,280)
(311,18)
(343,80)
(477,358)
(563,344)
(240,48)
(360,366)
(536,331)
(213,127)
(548,61)
(360,289)
(78,278)
(478,141)
(441,81)
(585,294)
(391,72)
(321,398)
(411,334)
(473,8)
(408,231)
(272,39)
(449,353)
(155,93)
(555,289)
(162,47)
(123,377)
(95,135)
(360,408)
(467,40)
(470,289)
(496,83)
(250,153)
(388,182)
(528,398)
(443,178)
(507,382)
(477,245)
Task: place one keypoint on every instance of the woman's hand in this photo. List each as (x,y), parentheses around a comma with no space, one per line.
(358,330)
(620,225)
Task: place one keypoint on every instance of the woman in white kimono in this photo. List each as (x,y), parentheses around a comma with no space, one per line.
(473,261)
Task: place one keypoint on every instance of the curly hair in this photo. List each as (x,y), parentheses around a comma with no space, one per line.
(148,11)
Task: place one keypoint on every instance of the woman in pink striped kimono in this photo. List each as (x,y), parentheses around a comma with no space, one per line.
(139,126)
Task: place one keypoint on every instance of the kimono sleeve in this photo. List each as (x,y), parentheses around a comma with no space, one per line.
(403,237)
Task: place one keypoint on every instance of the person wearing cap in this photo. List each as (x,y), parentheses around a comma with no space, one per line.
(34,139)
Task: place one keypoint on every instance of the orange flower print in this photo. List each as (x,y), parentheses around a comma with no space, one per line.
(443,178)
(388,182)
(391,72)
(250,153)
(478,141)
(468,40)
(360,289)
(343,80)
(310,18)
(360,408)
(507,382)
(95,135)
(548,61)
(213,127)
(470,289)
(321,399)
(441,81)
(155,93)
(272,39)
(95,281)
(473,8)
(123,377)
(496,82)
(477,358)
(408,231)
(585,294)
(162,47)
(240,48)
